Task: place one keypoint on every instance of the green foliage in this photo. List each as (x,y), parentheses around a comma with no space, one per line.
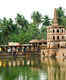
(44,32)
(21,21)
(20,30)
(60,11)
(45,21)
(36,17)
(25,36)
(61,16)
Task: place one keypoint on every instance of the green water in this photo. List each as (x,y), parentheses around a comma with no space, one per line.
(40,69)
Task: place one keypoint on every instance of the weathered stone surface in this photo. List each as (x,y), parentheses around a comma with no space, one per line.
(56,39)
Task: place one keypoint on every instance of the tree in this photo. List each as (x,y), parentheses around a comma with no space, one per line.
(21,30)
(7,27)
(60,13)
(63,21)
(36,17)
(22,22)
(45,21)
(44,32)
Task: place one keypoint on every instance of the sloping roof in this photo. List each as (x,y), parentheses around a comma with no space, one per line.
(34,41)
(26,44)
(42,40)
(13,44)
(38,41)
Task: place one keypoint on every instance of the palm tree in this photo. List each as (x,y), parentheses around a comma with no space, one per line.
(7,28)
(45,21)
(36,17)
(61,16)
(21,21)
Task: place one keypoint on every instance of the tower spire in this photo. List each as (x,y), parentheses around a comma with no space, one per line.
(55,21)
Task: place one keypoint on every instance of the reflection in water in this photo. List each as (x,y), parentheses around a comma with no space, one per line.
(22,69)
(33,68)
(56,68)
(22,73)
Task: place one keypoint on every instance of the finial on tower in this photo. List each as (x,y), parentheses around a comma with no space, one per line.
(55,21)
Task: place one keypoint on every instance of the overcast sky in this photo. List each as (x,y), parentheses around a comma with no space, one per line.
(9,8)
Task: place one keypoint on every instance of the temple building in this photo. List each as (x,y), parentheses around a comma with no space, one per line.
(56,35)
(55,45)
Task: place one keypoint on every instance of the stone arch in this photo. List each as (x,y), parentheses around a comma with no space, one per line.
(57,30)
(57,37)
(58,45)
(53,37)
(62,37)
(53,30)
(62,30)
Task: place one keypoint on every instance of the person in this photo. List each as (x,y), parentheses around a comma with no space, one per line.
(24,49)
(14,51)
(0,49)
(9,50)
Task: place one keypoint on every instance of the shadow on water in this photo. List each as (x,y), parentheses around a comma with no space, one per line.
(33,68)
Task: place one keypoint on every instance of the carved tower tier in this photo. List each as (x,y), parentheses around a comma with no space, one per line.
(56,35)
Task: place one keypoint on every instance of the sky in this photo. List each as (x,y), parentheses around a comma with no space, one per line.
(9,8)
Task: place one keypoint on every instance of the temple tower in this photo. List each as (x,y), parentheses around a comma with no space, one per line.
(56,35)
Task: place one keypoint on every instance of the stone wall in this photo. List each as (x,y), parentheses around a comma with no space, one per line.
(53,52)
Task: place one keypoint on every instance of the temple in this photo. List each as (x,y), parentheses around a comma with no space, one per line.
(56,36)
(55,45)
